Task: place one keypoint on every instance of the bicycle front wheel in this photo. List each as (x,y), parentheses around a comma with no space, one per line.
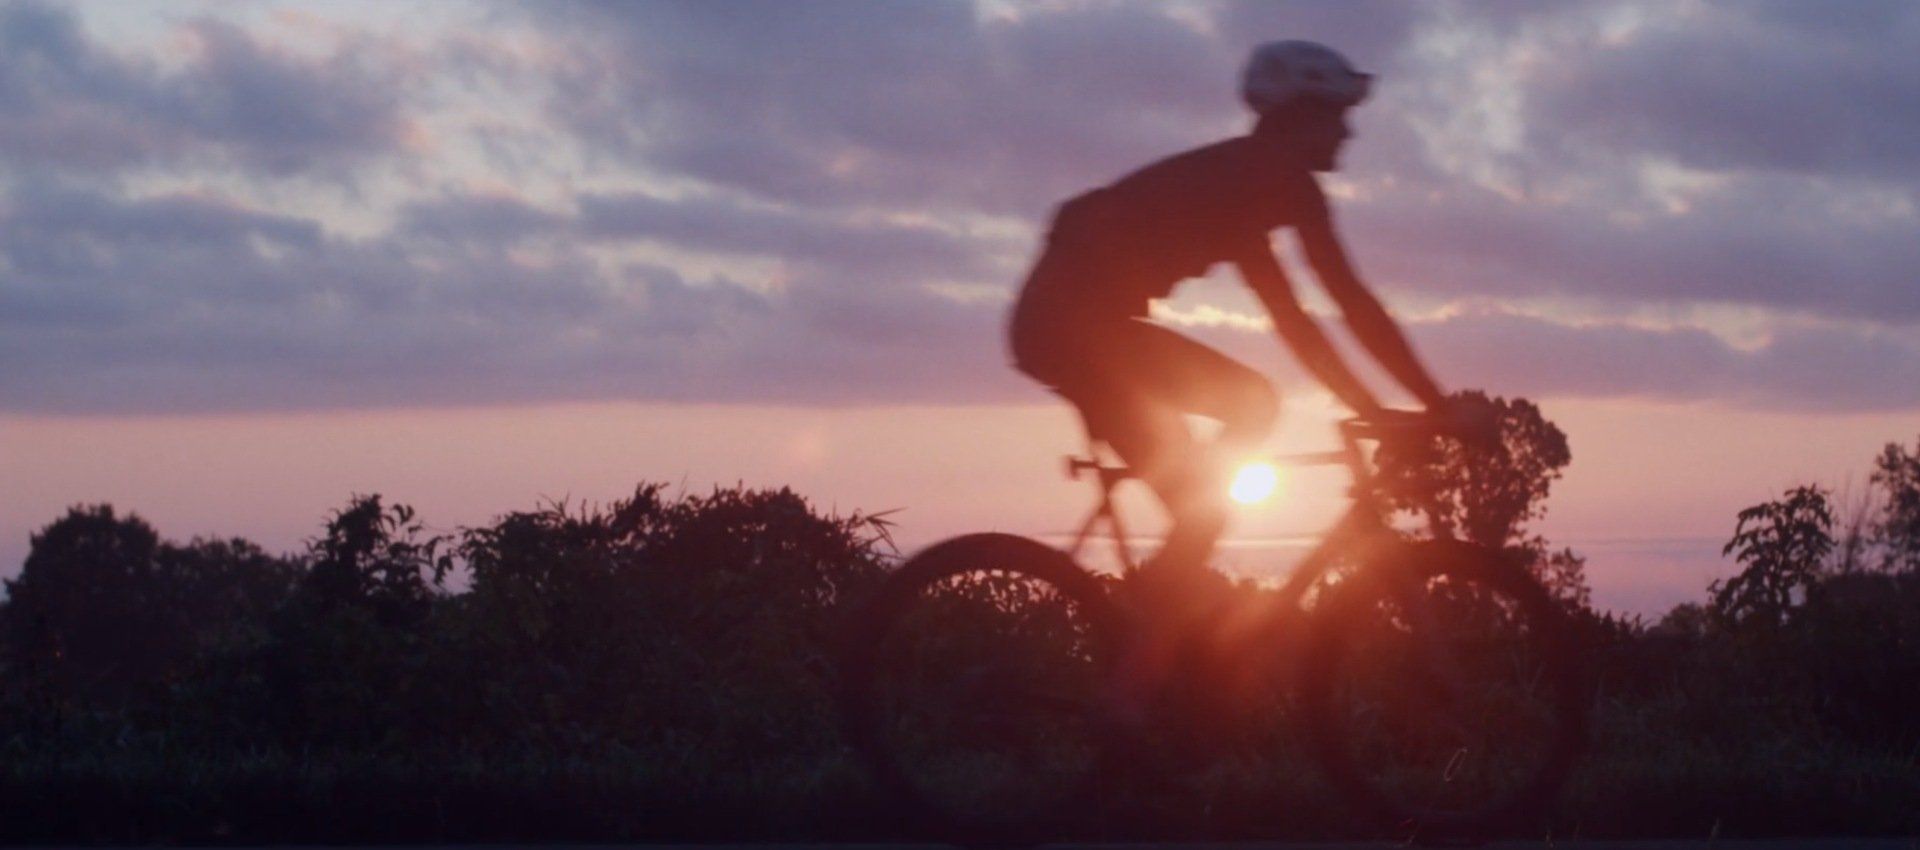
(1443,691)
(970,687)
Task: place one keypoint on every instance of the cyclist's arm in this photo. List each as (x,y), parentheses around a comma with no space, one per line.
(1363,313)
(1300,332)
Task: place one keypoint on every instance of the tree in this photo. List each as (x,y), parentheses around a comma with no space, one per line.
(1489,494)
(103,606)
(373,556)
(80,614)
(1897,472)
(1782,544)
(1563,572)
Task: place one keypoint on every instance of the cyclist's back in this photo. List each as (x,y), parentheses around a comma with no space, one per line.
(1126,243)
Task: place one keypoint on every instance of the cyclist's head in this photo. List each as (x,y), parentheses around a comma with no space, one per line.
(1282,72)
(1303,90)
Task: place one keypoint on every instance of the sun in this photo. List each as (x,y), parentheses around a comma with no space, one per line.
(1255,482)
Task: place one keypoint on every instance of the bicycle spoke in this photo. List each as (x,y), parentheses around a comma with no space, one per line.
(977,691)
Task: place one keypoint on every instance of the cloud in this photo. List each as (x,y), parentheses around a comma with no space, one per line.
(876,103)
(1814,369)
(80,262)
(832,203)
(487,218)
(193,304)
(1749,86)
(1635,153)
(70,103)
(1774,243)
(861,244)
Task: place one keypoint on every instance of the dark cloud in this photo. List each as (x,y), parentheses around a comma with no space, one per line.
(1058,100)
(1828,90)
(893,162)
(1638,153)
(186,304)
(68,102)
(397,321)
(79,260)
(1816,369)
(472,217)
(863,103)
(890,250)
(39,210)
(850,252)
(1790,247)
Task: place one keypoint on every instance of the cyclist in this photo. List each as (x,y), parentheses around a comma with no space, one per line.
(1080,322)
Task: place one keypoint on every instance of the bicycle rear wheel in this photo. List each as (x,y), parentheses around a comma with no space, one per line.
(969,690)
(1443,691)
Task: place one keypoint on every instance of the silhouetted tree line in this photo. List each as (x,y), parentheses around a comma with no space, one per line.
(1819,629)
(662,667)
(650,616)
(683,640)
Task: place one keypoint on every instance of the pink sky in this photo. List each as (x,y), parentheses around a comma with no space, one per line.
(1649,498)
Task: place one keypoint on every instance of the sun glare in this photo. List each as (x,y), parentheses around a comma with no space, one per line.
(1255,482)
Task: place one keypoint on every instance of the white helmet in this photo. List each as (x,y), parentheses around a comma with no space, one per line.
(1281,71)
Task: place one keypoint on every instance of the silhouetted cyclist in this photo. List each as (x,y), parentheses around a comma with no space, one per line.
(1080,324)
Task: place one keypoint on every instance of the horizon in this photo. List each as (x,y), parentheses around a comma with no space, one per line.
(232,475)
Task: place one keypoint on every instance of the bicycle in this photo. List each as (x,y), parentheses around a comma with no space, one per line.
(1439,682)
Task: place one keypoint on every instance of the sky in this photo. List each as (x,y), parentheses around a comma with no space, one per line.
(471,255)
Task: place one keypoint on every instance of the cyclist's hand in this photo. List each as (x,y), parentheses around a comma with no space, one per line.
(1474,423)
(1366,409)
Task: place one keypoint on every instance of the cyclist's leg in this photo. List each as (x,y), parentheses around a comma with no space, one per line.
(1146,380)
(1197,379)
(1133,381)
(1179,374)
(1153,438)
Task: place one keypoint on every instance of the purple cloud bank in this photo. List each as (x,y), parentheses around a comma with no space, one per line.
(70,103)
(830,203)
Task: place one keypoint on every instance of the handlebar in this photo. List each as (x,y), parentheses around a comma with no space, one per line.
(1391,426)
(1403,436)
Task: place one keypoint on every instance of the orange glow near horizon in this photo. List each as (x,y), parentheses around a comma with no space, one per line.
(1642,473)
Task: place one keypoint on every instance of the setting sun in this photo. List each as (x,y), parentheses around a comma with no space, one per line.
(1255,482)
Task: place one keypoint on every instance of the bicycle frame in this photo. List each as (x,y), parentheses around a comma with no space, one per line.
(1286,645)
(1362,523)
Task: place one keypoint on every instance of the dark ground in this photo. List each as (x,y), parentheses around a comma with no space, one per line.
(1769,844)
